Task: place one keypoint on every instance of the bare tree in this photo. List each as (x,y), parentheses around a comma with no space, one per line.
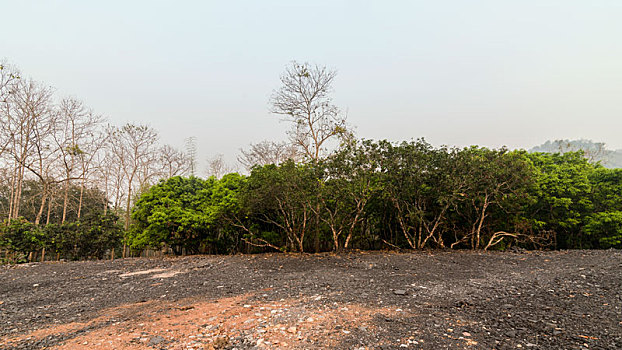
(26,114)
(304,99)
(174,162)
(78,138)
(9,77)
(217,166)
(268,152)
(133,147)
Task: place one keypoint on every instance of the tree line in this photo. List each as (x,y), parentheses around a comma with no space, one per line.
(77,187)
(62,167)
(378,194)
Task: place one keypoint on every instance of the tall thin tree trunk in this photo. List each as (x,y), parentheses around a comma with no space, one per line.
(13,181)
(18,192)
(127,208)
(65,200)
(44,197)
(81,196)
(47,221)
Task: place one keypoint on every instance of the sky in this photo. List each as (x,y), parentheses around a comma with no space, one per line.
(491,73)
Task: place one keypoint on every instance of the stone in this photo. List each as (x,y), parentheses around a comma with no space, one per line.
(399,292)
(156,340)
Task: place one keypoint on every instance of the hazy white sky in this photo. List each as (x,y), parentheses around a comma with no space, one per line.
(492,73)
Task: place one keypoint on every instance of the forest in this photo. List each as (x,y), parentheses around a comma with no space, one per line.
(74,187)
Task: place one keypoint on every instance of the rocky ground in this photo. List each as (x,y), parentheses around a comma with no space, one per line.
(377,300)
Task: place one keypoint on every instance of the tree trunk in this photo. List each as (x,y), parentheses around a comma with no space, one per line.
(47,221)
(127,208)
(66,199)
(81,196)
(44,197)
(13,183)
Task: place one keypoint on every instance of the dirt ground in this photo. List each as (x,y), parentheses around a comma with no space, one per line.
(363,300)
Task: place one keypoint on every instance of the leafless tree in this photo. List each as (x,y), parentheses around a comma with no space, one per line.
(133,147)
(26,117)
(268,152)
(9,77)
(78,138)
(173,162)
(217,166)
(304,98)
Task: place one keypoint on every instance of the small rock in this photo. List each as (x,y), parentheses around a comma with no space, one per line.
(291,329)
(466,334)
(156,340)
(399,292)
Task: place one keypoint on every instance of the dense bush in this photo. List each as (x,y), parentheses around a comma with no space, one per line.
(186,214)
(377,194)
(91,237)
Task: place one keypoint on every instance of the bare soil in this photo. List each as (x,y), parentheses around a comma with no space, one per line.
(363,300)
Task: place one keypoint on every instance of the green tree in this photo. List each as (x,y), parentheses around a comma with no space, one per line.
(496,188)
(421,186)
(350,180)
(562,195)
(185,213)
(283,199)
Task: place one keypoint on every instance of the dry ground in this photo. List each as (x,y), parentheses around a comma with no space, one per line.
(378,300)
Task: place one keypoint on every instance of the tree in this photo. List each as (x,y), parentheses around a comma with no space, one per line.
(421,185)
(174,162)
(304,99)
(9,77)
(495,181)
(27,119)
(78,138)
(186,213)
(562,195)
(282,198)
(268,152)
(350,181)
(217,166)
(133,147)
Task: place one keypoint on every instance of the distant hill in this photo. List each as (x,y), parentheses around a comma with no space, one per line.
(594,151)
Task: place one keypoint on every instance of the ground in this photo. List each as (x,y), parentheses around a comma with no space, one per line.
(363,300)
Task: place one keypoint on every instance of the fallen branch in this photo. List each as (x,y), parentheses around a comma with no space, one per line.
(391,245)
(263,244)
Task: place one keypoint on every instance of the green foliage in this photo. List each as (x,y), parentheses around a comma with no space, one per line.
(562,195)
(21,236)
(605,229)
(281,199)
(367,194)
(91,237)
(185,213)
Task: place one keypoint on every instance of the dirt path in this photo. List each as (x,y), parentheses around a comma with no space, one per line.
(423,300)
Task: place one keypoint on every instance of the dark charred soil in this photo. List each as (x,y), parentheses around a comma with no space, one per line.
(363,300)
